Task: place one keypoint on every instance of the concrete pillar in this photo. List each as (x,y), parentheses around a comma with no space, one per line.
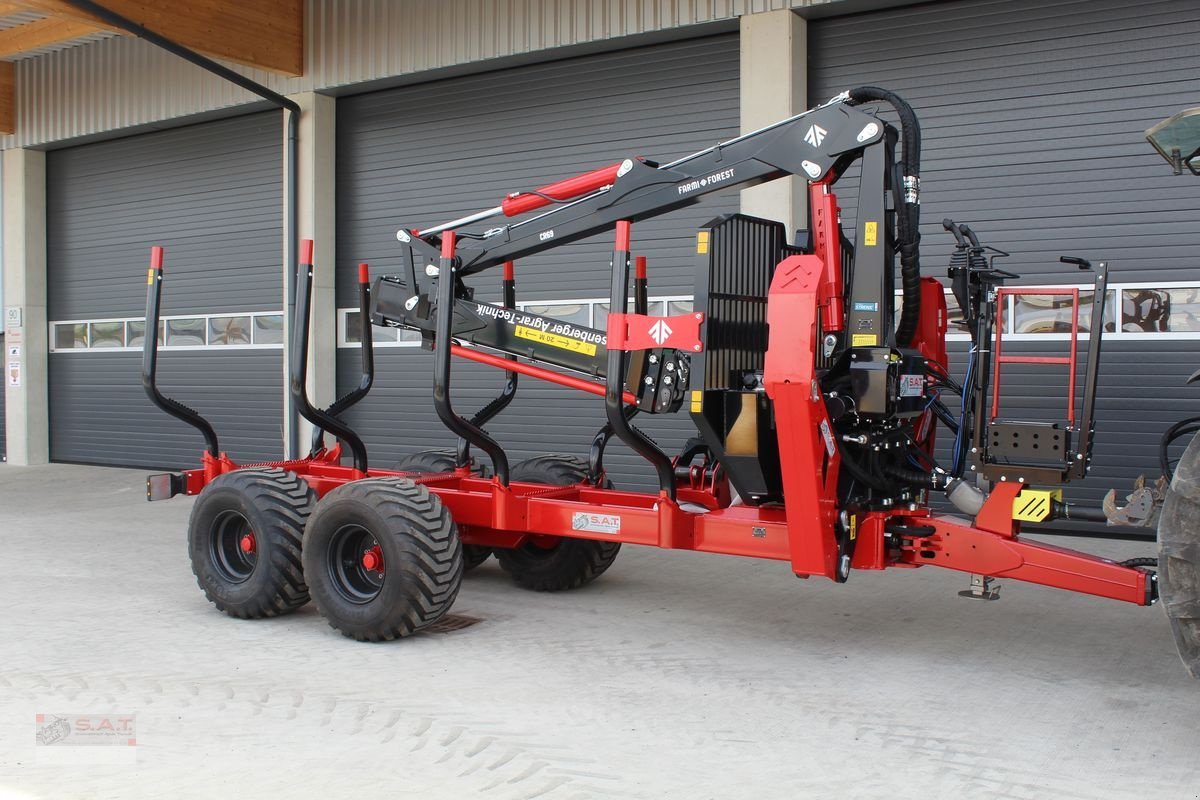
(774,78)
(26,410)
(315,219)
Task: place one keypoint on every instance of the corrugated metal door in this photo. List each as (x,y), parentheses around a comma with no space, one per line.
(1033,115)
(210,194)
(425,154)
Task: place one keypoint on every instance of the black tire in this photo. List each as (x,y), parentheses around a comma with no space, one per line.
(438,460)
(421,558)
(568,563)
(434,461)
(1179,556)
(260,576)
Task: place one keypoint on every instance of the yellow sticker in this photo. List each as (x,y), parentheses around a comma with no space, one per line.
(150,276)
(870,234)
(697,401)
(853,527)
(864,340)
(702,242)
(554,340)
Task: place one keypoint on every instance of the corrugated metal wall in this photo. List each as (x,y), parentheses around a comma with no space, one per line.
(3,437)
(1033,116)
(426,154)
(210,195)
(122,82)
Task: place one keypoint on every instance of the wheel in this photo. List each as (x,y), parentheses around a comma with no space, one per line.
(554,563)
(244,538)
(382,558)
(1179,556)
(432,461)
(438,460)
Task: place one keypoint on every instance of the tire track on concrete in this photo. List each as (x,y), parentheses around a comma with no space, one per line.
(480,756)
(968,762)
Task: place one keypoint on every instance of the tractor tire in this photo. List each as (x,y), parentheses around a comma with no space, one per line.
(434,461)
(438,460)
(244,540)
(382,558)
(563,563)
(1179,556)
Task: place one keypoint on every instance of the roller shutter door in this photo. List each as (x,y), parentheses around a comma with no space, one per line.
(426,154)
(211,194)
(1033,116)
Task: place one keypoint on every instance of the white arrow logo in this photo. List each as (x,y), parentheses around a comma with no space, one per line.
(815,135)
(660,332)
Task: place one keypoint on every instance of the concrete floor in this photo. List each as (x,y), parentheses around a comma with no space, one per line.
(676,675)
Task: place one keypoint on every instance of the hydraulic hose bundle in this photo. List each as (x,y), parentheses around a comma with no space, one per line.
(908,206)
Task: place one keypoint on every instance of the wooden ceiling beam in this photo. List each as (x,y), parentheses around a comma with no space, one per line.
(8,99)
(267,34)
(8,9)
(41,33)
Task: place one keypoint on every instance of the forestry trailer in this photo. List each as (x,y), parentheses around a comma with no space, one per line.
(815,400)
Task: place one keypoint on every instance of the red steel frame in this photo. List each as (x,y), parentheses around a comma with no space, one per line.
(1069,361)
(806,290)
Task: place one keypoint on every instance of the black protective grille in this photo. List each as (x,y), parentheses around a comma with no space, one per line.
(731,288)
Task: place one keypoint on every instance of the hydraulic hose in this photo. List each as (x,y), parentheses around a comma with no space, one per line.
(909,216)
(916,477)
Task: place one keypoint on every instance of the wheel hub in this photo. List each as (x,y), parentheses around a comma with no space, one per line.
(248,544)
(373,559)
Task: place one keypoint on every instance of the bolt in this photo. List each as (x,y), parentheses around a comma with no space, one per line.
(649,381)
(670,366)
(431,270)
(696,347)
(700,317)
(667,381)
(653,359)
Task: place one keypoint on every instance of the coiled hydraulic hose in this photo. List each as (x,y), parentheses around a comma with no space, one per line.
(908,214)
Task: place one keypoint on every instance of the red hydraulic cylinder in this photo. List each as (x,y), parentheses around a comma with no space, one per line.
(520,202)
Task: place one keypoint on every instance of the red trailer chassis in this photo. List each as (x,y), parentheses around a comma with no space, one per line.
(491,515)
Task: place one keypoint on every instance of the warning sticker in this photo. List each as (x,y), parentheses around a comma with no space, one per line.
(596,523)
(870,234)
(702,242)
(554,340)
(864,340)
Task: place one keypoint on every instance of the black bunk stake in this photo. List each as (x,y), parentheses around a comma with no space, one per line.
(442,345)
(154,278)
(301,326)
(368,360)
(614,382)
(509,393)
(641,305)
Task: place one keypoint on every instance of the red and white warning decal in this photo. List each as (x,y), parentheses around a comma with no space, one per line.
(596,523)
